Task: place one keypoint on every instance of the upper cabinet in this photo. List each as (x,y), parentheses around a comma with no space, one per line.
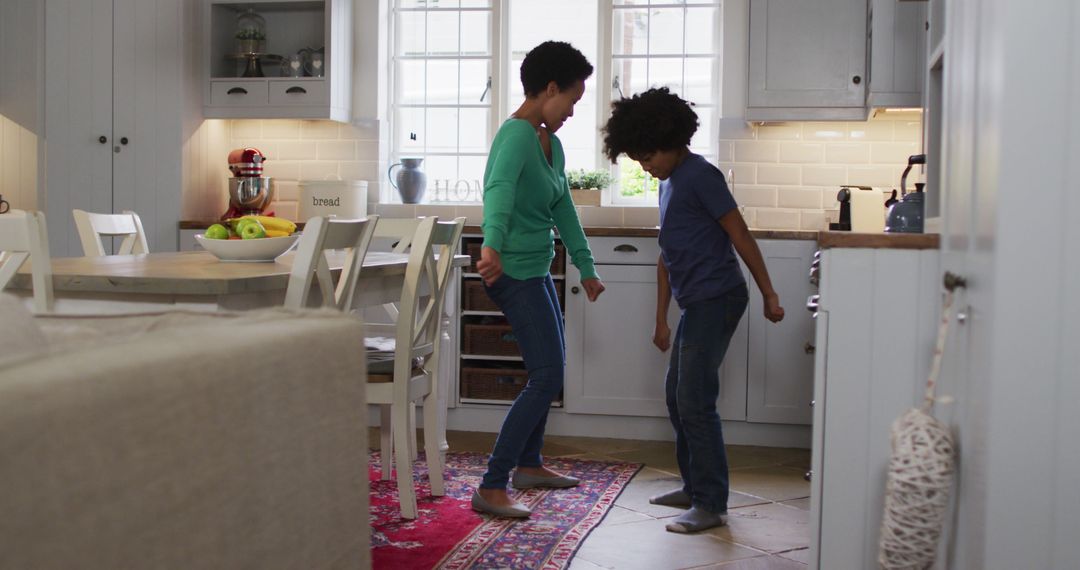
(807,60)
(834,59)
(897,53)
(275,59)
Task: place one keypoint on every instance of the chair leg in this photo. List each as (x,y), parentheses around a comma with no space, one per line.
(432,445)
(413,444)
(406,491)
(386,447)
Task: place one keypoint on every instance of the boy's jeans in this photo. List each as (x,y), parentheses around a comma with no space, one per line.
(692,386)
(532,307)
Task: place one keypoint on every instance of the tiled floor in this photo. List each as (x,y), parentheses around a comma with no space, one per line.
(768,512)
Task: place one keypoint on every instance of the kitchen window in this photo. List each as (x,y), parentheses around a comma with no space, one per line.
(447,101)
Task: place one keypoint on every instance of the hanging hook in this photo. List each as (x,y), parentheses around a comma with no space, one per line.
(615,85)
(486,89)
(954,281)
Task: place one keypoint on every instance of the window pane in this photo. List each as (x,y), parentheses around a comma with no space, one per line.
(410,33)
(410,80)
(442,33)
(441,171)
(442,129)
(702,141)
(699,86)
(667,72)
(700,27)
(442,83)
(475,3)
(475,32)
(633,181)
(471,168)
(632,75)
(474,78)
(666,31)
(630,2)
(474,129)
(629,32)
(409,130)
(572,21)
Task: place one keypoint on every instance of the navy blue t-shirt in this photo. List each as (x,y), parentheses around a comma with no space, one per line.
(700,259)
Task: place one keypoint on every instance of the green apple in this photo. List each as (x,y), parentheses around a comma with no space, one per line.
(254,230)
(217,231)
(238,225)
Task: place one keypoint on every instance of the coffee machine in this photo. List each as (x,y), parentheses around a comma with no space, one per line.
(249,191)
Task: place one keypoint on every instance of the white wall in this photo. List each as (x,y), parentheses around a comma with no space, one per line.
(1012,158)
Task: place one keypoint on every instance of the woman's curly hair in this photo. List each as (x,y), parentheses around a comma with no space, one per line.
(654,120)
(553,61)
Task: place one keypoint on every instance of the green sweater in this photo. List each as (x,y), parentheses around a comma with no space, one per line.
(524,197)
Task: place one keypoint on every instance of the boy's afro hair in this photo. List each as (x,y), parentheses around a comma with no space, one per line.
(553,61)
(654,120)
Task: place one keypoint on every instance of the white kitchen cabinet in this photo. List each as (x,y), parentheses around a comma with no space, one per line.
(807,60)
(875,333)
(114,113)
(780,381)
(897,53)
(291,26)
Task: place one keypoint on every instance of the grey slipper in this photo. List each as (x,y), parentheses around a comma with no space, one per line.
(676,498)
(515,511)
(696,520)
(526,481)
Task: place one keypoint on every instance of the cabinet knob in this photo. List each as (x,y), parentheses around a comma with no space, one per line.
(102,139)
(123,140)
(856,80)
(575,290)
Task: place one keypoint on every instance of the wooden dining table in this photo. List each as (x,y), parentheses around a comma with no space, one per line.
(196,280)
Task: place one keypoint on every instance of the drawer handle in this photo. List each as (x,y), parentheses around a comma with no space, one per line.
(626,248)
(295,89)
(236,91)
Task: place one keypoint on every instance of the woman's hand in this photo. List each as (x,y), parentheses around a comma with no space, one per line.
(661,336)
(489,266)
(773,311)
(593,288)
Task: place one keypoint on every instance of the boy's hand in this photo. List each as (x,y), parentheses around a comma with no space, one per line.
(773,311)
(661,336)
(593,288)
(490,265)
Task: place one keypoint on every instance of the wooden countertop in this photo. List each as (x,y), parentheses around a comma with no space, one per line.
(878,241)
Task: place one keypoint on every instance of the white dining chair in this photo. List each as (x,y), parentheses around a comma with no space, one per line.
(92,227)
(322,234)
(23,236)
(417,340)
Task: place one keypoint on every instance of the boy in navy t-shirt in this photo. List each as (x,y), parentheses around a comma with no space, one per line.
(701,229)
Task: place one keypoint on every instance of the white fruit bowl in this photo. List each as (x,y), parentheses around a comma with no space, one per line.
(248,250)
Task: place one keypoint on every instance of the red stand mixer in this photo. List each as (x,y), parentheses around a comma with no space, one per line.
(249,191)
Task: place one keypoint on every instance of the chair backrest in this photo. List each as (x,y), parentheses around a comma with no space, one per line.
(22,237)
(322,234)
(431,260)
(92,227)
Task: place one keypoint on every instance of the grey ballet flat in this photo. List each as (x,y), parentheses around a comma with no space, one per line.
(526,481)
(515,511)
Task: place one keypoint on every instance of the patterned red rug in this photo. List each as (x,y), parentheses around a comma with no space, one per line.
(448,534)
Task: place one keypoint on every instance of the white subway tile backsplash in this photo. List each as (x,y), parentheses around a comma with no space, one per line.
(287,210)
(641,217)
(603,217)
(779,174)
(799,198)
(813,220)
(824,175)
(319,130)
(749,216)
(892,152)
(246,129)
(735,129)
(743,173)
(757,151)
(783,131)
(297,150)
(335,150)
(474,215)
(281,129)
(847,153)
(824,132)
(908,130)
(799,152)
(777,219)
(725,152)
(878,130)
(354,132)
(286,190)
(367,150)
(756,196)
(319,170)
(877,176)
(282,169)
(396,210)
(360,170)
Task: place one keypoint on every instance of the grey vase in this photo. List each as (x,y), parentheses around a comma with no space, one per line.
(411,182)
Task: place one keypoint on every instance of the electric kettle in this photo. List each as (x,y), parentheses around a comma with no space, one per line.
(906,216)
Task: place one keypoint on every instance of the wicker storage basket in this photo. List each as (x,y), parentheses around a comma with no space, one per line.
(475,298)
(558,263)
(492,383)
(489,340)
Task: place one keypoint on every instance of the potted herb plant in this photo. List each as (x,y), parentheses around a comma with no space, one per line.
(585,185)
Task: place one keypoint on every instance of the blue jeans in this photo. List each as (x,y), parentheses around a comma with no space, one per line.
(532,307)
(692,386)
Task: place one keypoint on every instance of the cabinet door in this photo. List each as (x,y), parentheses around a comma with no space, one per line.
(613,367)
(807,59)
(78,114)
(780,380)
(897,53)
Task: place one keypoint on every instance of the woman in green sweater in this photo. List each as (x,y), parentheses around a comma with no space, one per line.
(525,195)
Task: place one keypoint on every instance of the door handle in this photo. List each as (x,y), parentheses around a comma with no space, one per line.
(295,89)
(236,90)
